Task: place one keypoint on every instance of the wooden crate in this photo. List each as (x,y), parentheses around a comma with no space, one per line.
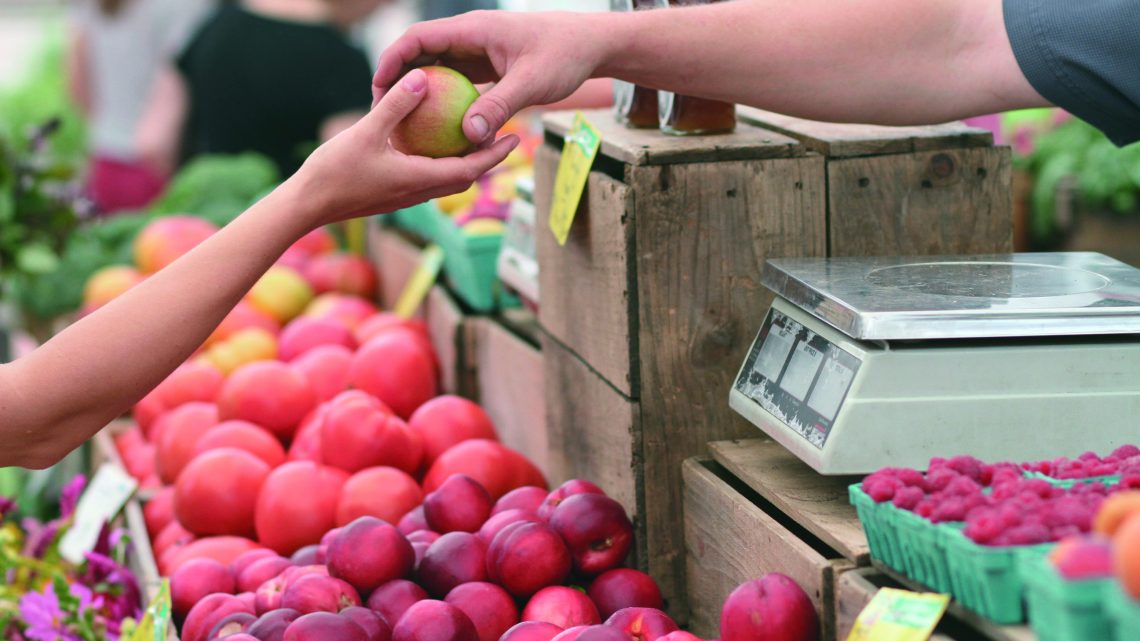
(509,385)
(656,296)
(732,537)
(396,257)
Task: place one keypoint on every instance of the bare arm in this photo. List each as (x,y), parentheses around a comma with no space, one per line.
(78,82)
(338,123)
(878,61)
(58,396)
(160,127)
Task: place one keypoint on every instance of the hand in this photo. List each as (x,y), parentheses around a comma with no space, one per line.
(536,59)
(358,173)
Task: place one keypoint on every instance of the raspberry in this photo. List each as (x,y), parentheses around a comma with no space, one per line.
(1089,456)
(1125,451)
(949,510)
(1130,482)
(963,486)
(907,498)
(984,527)
(937,480)
(912,478)
(925,509)
(1040,487)
(967,466)
(881,489)
(1028,534)
(1063,531)
(1005,476)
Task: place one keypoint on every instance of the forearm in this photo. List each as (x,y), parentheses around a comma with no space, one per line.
(92,372)
(77,72)
(877,61)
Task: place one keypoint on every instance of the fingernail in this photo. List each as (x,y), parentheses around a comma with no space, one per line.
(415,81)
(479,126)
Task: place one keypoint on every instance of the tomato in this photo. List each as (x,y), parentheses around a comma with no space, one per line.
(384,492)
(447,420)
(243,436)
(297,505)
(179,434)
(217,492)
(496,467)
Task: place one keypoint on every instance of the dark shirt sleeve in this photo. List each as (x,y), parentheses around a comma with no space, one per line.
(347,84)
(1083,56)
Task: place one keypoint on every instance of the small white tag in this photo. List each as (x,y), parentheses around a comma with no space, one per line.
(101,501)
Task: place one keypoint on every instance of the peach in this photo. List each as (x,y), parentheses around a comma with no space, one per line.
(243,316)
(435,127)
(341,272)
(318,241)
(413,521)
(394,598)
(358,435)
(223,549)
(489,607)
(297,505)
(324,626)
(208,612)
(244,347)
(1115,510)
(564,607)
(1126,555)
(326,368)
(1082,557)
(271,625)
(396,369)
(233,625)
(526,557)
(282,293)
(166,239)
(246,559)
(107,284)
(383,492)
(643,624)
(179,432)
(624,588)
(430,620)
(446,420)
(527,499)
(158,512)
(368,553)
(537,631)
(453,559)
(499,522)
(381,322)
(267,393)
(317,593)
(260,571)
(303,334)
(773,607)
(461,504)
(191,381)
(196,579)
(306,445)
(374,625)
(146,412)
(246,436)
(346,309)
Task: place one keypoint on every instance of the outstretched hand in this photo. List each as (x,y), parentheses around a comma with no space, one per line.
(534,59)
(359,173)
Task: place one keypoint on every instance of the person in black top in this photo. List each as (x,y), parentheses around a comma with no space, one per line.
(275,77)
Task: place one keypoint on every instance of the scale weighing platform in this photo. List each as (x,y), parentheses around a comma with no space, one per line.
(863,363)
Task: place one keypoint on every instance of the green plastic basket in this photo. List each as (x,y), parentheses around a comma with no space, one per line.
(419,220)
(882,537)
(1064,610)
(985,579)
(1123,614)
(924,555)
(1069,483)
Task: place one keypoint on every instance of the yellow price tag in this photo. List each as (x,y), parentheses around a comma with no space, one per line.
(578,153)
(899,615)
(417,287)
(156,620)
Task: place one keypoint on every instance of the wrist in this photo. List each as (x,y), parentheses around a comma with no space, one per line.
(608,35)
(295,205)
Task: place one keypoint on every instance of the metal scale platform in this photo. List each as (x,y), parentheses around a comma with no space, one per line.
(863,363)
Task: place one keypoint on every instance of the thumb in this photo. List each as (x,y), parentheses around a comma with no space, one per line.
(399,101)
(492,110)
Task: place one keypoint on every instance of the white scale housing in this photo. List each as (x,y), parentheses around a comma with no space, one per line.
(863,363)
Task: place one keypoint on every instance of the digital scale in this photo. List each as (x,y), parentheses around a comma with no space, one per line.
(863,363)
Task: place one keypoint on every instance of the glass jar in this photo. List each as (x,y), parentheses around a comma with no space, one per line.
(682,115)
(635,106)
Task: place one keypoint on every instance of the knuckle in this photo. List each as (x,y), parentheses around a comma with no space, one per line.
(496,107)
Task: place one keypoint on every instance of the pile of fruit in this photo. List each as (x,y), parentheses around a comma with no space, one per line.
(1111,549)
(999,505)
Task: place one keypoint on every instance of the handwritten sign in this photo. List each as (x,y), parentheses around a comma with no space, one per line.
(578,153)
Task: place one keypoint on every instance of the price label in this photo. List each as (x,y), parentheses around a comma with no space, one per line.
(100,502)
(578,153)
(899,615)
(418,286)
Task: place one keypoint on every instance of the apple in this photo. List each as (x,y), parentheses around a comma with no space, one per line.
(368,553)
(319,594)
(564,607)
(435,127)
(772,608)
(394,598)
(430,620)
(489,607)
(624,588)
(570,488)
(461,504)
(324,626)
(642,624)
(455,558)
(526,557)
(596,530)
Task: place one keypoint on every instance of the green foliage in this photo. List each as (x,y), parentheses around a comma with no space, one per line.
(218,188)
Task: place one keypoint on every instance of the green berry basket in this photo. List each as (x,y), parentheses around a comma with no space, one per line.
(986,579)
(419,220)
(1123,614)
(1069,483)
(878,524)
(1065,610)
(924,554)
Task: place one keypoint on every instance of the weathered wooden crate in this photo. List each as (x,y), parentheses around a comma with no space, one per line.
(509,375)
(395,258)
(732,536)
(650,307)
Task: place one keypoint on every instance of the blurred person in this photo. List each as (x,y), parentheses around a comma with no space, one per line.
(435,9)
(269,76)
(61,394)
(115,49)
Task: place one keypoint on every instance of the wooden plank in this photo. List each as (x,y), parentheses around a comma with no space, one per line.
(703,232)
(449,332)
(651,147)
(510,378)
(942,202)
(586,298)
(395,258)
(818,503)
(730,540)
(847,140)
(592,429)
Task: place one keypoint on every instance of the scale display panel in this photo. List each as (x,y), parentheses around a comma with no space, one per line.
(798,376)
